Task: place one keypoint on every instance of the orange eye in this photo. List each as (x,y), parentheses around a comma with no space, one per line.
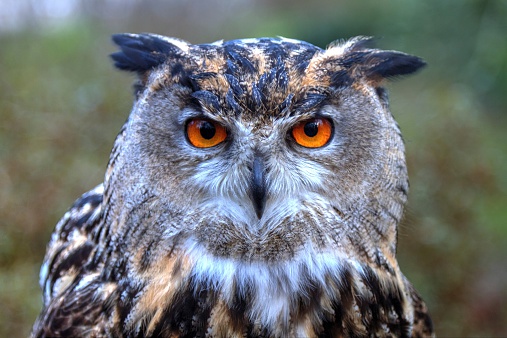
(313,133)
(204,133)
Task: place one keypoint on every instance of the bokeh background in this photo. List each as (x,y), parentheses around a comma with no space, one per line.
(62,103)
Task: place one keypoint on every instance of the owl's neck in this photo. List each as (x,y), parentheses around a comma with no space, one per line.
(314,293)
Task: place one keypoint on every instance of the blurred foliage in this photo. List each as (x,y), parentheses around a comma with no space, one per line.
(61,105)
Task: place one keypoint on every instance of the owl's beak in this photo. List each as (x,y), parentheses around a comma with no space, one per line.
(258,186)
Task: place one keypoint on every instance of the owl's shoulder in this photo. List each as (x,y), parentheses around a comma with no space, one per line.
(70,289)
(70,243)
(423,325)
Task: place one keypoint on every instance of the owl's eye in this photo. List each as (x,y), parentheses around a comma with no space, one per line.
(313,133)
(203,133)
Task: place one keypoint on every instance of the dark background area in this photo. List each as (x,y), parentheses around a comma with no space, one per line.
(62,104)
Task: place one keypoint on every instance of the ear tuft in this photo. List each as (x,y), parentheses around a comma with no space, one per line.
(143,52)
(388,64)
(355,59)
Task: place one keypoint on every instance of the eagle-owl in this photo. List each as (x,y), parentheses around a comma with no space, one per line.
(254,191)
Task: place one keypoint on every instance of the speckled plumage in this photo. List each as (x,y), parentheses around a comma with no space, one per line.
(257,236)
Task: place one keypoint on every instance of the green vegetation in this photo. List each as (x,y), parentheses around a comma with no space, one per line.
(61,105)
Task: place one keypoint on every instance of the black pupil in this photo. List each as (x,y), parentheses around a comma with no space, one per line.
(311,128)
(207,130)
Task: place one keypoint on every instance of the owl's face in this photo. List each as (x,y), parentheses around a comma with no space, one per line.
(258,150)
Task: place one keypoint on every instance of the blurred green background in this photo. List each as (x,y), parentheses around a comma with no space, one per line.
(62,103)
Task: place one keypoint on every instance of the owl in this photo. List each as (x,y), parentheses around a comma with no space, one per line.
(254,191)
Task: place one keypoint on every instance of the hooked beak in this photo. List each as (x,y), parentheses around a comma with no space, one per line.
(258,186)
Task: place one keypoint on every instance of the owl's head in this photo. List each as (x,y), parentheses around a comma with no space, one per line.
(260,148)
